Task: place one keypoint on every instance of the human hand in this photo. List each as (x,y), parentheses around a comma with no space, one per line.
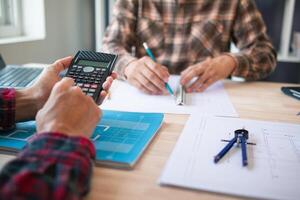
(68,110)
(147,76)
(32,99)
(207,72)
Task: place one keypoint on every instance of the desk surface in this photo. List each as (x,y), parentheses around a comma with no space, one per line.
(256,100)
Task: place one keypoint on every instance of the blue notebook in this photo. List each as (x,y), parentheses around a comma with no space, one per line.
(120,138)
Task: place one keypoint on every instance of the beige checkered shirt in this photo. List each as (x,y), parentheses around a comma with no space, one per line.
(181,33)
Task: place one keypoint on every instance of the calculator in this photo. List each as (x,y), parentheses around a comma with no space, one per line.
(90,69)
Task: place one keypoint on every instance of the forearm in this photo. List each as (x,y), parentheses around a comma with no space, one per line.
(257,56)
(26,105)
(255,63)
(114,45)
(120,35)
(58,165)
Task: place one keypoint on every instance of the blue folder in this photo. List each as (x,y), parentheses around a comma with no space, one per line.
(120,138)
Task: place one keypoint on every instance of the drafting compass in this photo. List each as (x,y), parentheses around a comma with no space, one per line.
(240,137)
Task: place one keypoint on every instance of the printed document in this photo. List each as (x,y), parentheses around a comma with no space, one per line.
(273,170)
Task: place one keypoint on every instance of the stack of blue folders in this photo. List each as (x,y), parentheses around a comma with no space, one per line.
(120,138)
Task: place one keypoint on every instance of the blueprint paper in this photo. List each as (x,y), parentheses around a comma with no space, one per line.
(273,171)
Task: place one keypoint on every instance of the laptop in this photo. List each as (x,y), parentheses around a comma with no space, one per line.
(17,76)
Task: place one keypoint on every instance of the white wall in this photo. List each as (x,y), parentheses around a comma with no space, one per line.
(69,27)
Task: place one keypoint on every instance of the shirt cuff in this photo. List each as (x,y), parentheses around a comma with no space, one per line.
(123,62)
(242,64)
(58,141)
(7,108)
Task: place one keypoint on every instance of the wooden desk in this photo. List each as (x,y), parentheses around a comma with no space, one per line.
(257,100)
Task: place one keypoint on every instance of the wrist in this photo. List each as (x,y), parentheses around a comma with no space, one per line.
(230,62)
(127,68)
(26,105)
(59,127)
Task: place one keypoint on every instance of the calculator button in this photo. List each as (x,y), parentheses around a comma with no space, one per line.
(94,86)
(74,66)
(87,85)
(98,69)
(92,90)
(88,69)
(79,67)
(85,89)
(90,94)
(79,84)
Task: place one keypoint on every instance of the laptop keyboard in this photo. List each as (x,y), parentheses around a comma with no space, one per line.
(18,76)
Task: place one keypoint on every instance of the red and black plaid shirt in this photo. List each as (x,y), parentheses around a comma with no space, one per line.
(52,165)
(181,33)
(7,109)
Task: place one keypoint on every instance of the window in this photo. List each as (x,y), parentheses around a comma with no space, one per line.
(10,18)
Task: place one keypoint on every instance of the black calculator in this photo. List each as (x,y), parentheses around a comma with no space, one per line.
(90,69)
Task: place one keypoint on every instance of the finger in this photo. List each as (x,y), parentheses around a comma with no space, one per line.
(159,70)
(147,84)
(107,84)
(205,85)
(185,75)
(63,85)
(191,73)
(200,81)
(101,97)
(114,75)
(154,79)
(61,64)
(140,86)
(194,86)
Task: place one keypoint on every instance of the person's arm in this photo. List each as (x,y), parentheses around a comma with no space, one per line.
(120,34)
(7,108)
(257,57)
(23,104)
(56,164)
(52,166)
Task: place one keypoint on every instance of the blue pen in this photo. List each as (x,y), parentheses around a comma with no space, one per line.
(153,58)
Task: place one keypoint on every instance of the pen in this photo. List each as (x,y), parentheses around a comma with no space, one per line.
(148,51)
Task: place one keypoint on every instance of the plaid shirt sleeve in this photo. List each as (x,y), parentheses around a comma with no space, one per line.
(52,166)
(257,56)
(7,108)
(119,36)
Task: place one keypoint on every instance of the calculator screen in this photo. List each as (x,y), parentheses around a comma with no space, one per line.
(93,63)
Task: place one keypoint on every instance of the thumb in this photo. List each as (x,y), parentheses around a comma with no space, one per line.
(61,64)
(63,85)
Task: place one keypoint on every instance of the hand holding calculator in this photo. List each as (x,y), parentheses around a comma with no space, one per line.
(90,69)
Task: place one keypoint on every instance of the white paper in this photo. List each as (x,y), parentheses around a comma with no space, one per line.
(273,171)
(214,100)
